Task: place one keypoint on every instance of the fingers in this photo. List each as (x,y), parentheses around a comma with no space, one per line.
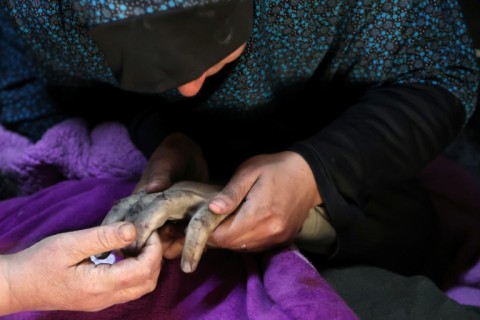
(241,231)
(149,212)
(167,205)
(172,238)
(66,280)
(138,267)
(232,195)
(279,190)
(198,231)
(153,182)
(157,175)
(159,179)
(144,272)
(85,243)
(178,158)
(257,225)
(127,279)
(128,205)
(121,208)
(152,248)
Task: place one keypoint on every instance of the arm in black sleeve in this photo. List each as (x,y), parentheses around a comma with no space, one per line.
(388,136)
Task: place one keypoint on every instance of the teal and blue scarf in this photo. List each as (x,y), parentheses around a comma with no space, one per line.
(363,43)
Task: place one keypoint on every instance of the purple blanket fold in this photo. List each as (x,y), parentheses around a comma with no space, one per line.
(468,290)
(276,285)
(70,150)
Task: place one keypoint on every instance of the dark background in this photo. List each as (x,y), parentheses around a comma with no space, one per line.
(471,9)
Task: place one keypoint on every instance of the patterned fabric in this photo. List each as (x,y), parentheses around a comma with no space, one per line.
(99,12)
(23,95)
(364,43)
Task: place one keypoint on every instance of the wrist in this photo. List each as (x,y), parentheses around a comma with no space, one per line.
(308,178)
(317,234)
(16,293)
(6,304)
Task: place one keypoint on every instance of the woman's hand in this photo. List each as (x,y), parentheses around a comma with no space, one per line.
(57,274)
(177,158)
(272,195)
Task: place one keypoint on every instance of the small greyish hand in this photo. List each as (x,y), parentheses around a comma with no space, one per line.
(183,200)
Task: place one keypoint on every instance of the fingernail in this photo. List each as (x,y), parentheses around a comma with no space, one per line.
(155,186)
(150,187)
(126,232)
(186,267)
(218,204)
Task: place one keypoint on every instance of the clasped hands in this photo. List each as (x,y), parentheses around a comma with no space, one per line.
(185,200)
(264,204)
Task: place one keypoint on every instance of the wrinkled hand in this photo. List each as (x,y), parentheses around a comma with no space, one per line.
(272,196)
(178,158)
(56,273)
(182,201)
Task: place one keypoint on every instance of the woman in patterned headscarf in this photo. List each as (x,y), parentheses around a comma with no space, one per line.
(329,104)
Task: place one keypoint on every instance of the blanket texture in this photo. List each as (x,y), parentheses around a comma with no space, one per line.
(467,291)
(70,150)
(97,168)
(227,285)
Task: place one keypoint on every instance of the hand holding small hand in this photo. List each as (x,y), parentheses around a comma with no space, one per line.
(177,158)
(272,195)
(56,273)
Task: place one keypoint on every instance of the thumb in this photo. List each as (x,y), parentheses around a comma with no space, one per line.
(158,182)
(235,191)
(154,179)
(157,176)
(89,242)
(227,200)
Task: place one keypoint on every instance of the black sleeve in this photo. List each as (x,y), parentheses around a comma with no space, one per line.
(386,137)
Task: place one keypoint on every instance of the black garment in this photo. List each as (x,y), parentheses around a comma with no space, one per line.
(383,139)
(471,10)
(8,187)
(374,293)
(398,232)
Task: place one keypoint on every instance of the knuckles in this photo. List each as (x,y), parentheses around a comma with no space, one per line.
(277,227)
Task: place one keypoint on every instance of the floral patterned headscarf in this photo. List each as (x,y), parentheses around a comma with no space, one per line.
(360,44)
(142,45)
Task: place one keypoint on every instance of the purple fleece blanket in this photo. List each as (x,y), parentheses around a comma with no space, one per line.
(70,151)
(276,285)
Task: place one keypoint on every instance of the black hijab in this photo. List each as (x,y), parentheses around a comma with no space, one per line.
(160,50)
